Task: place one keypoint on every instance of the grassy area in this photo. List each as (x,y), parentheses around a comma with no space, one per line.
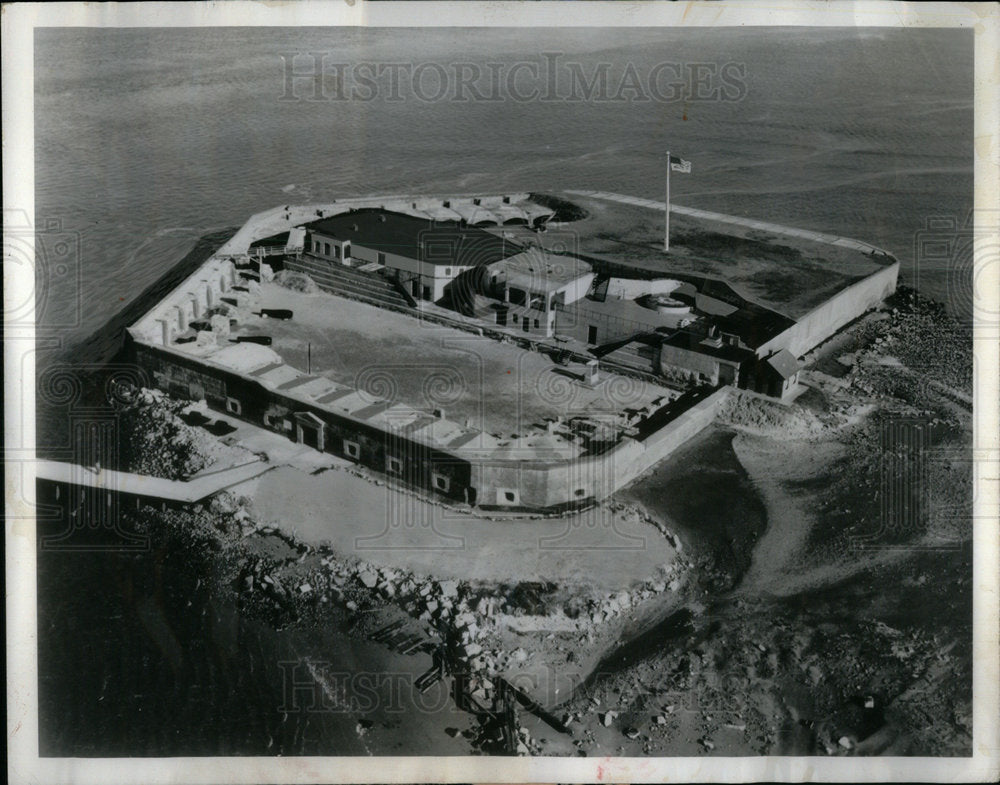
(789,274)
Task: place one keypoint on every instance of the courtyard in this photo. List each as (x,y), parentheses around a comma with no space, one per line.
(493,386)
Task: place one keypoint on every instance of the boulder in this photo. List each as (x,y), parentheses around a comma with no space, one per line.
(449,588)
(608,718)
(266,273)
(471,649)
(369,579)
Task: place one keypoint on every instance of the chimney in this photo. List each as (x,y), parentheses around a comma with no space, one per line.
(223,284)
(209,295)
(195,306)
(181,318)
(164,331)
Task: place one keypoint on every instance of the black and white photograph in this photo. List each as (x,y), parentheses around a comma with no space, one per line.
(462,384)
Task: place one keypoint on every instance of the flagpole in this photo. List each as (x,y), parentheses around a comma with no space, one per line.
(666,228)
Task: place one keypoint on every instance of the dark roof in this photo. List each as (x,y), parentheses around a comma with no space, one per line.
(694,341)
(784,363)
(434,242)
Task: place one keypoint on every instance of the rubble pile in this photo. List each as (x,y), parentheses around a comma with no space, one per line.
(159,442)
(297,282)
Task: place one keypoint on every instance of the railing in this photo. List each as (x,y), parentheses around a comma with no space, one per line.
(267,250)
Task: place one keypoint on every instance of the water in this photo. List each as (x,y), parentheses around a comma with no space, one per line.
(148,139)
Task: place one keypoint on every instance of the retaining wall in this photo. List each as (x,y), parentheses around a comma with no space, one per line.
(841,309)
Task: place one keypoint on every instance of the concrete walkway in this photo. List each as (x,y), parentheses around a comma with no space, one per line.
(764,226)
(187,492)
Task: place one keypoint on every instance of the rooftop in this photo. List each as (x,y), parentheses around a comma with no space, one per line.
(433,242)
(784,363)
(537,270)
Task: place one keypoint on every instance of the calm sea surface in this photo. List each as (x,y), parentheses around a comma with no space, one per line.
(148,139)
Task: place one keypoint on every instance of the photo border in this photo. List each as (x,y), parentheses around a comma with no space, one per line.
(24,763)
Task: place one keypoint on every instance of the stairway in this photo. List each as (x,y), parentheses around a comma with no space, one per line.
(635,354)
(366,287)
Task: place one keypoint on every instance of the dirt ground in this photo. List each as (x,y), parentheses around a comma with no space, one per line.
(498,387)
(845,636)
(600,549)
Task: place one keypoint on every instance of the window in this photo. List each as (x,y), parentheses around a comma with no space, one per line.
(515,318)
(233,406)
(336,252)
(315,245)
(510,496)
(536,322)
(352,449)
(447,271)
(579,492)
(326,248)
(381,258)
(441,482)
(394,465)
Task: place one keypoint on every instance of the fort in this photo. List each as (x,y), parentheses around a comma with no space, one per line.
(523,352)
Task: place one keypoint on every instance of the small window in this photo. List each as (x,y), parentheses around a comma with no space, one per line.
(315,246)
(336,252)
(233,406)
(394,465)
(536,322)
(441,482)
(510,496)
(515,318)
(447,271)
(326,248)
(352,449)
(381,258)
(579,492)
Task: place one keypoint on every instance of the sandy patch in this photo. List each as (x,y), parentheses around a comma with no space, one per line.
(599,549)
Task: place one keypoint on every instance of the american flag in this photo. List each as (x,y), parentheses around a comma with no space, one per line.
(679,165)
